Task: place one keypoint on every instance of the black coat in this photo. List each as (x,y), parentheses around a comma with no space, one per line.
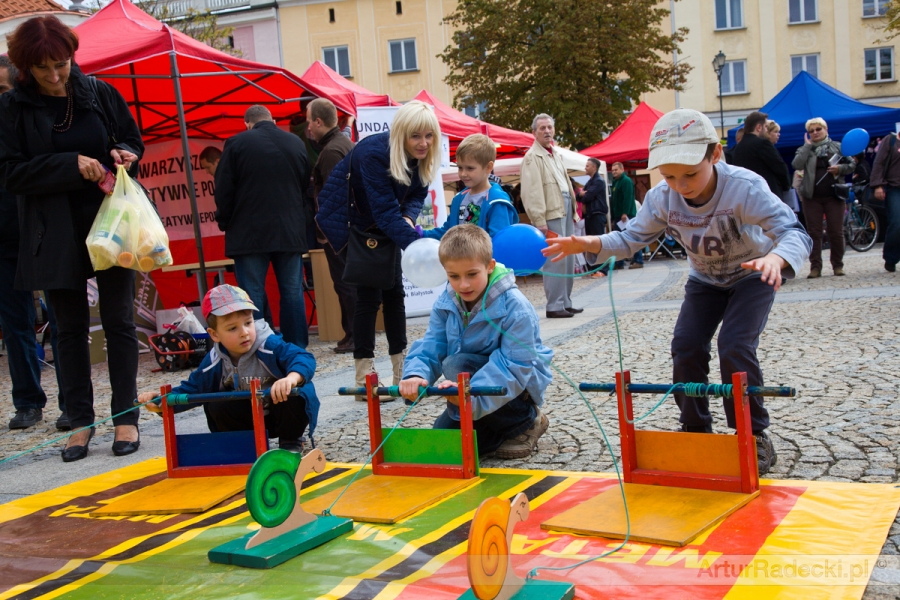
(261,184)
(50,254)
(760,156)
(594,198)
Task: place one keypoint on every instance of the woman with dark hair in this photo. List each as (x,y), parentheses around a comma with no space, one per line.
(60,131)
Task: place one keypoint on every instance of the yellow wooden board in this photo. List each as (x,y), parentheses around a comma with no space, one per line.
(173,496)
(659,515)
(387,498)
(688,452)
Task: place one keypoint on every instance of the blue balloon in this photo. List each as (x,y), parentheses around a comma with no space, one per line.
(519,246)
(854,142)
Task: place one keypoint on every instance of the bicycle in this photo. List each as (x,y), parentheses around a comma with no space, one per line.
(861,227)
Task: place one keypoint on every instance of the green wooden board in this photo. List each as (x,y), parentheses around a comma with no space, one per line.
(274,552)
(426,446)
(536,589)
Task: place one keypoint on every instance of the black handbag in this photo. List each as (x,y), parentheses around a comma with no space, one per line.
(371,256)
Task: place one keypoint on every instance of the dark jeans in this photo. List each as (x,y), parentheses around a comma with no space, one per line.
(286,420)
(17,316)
(116,289)
(595,224)
(250,271)
(508,421)
(346,293)
(833,211)
(891,251)
(367,302)
(743,311)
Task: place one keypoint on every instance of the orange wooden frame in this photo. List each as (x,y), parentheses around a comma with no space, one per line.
(747,482)
(466,470)
(172,467)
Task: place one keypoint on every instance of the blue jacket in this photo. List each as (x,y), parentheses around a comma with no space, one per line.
(379,201)
(453,330)
(499,213)
(275,356)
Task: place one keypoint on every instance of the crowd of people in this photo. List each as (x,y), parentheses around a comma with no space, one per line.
(277,192)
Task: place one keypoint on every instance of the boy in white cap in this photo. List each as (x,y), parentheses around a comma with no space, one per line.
(740,240)
(246,349)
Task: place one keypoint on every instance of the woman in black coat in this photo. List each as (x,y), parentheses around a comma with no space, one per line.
(59,133)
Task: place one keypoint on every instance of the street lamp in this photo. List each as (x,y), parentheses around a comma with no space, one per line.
(719,64)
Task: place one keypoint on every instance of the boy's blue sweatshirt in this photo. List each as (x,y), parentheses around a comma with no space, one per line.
(270,355)
(518,360)
(497,212)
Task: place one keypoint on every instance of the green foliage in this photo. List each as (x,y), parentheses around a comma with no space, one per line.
(202,26)
(582,61)
(892,21)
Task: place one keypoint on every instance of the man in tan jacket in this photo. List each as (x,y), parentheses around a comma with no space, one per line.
(550,203)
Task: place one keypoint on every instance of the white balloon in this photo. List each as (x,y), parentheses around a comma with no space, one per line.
(421,264)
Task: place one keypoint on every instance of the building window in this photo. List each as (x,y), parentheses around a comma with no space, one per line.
(403,55)
(802,11)
(729,14)
(805,62)
(875,8)
(399,7)
(475,110)
(879,64)
(331,15)
(734,77)
(338,58)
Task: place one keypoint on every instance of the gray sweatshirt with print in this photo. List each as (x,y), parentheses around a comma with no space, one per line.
(741,222)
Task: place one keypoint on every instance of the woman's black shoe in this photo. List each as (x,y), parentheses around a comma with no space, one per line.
(73,453)
(126,448)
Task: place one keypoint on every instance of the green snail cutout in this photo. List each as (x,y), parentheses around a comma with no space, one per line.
(273,488)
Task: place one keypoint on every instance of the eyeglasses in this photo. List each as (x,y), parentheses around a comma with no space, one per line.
(815,129)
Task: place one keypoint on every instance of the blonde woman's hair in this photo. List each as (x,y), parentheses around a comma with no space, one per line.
(415,116)
(816,121)
(466,242)
(772,126)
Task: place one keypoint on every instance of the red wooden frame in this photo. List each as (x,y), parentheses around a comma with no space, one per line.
(747,483)
(175,471)
(464,471)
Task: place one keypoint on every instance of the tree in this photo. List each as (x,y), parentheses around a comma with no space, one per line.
(202,26)
(582,61)
(892,21)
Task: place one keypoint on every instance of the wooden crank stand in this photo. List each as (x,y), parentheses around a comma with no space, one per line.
(677,484)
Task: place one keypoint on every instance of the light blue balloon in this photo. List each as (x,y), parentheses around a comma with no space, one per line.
(854,142)
(519,246)
(421,264)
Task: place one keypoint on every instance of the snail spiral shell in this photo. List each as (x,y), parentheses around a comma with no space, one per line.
(271,492)
(488,556)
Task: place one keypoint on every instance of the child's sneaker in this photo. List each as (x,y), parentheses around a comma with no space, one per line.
(524,444)
(765,452)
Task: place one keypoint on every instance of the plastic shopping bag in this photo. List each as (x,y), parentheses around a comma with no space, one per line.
(127,231)
(189,323)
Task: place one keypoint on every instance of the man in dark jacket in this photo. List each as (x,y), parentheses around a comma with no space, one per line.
(593,200)
(321,116)
(261,183)
(757,154)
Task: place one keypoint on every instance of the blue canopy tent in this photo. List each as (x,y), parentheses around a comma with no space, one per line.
(806,97)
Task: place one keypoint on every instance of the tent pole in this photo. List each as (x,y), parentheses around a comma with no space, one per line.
(188,171)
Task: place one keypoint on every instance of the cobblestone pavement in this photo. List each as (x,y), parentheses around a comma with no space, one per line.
(840,353)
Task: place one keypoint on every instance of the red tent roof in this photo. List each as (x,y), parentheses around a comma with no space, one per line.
(337,86)
(130,49)
(628,143)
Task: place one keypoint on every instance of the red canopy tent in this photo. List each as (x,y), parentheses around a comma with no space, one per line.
(628,143)
(178,87)
(458,125)
(345,94)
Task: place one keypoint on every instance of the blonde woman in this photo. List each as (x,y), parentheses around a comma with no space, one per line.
(389,178)
(773,131)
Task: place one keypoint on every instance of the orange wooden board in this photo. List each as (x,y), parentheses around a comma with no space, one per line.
(388,498)
(174,496)
(659,515)
(687,452)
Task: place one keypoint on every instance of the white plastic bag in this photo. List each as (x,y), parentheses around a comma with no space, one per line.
(127,231)
(189,323)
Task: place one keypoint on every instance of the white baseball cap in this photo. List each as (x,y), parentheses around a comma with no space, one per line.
(681,137)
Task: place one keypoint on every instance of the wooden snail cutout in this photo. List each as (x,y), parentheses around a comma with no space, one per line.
(273,488)
(491,574)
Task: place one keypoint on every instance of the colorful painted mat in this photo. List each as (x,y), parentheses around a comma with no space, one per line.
(800,539)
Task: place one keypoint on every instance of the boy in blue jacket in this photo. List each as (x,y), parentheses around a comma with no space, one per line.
(483,202)
(246,349)
(460,339)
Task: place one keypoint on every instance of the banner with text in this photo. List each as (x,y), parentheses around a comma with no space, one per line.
(162,173)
